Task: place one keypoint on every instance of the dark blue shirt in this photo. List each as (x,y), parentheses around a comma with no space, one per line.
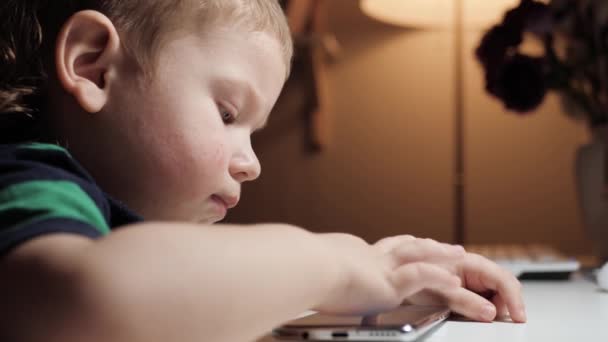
(43,190)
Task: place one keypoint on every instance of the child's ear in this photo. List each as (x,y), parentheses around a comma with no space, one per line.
(86,57)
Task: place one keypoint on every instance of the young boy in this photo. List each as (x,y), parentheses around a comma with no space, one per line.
(153,103)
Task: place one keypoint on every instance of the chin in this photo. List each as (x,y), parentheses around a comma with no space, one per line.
(209,220)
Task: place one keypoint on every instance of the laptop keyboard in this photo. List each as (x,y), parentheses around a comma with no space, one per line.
(534,261)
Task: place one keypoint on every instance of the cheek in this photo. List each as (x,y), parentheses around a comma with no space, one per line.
(192,147)
(207,162)
(220,156)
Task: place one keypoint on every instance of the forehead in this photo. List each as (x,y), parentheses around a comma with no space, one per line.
(227,55)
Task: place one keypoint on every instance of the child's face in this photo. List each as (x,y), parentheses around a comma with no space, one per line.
(181,146)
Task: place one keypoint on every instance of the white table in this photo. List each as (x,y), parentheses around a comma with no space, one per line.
(568,311)
(573,311)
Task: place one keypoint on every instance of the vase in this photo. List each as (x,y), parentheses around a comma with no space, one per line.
(592,182)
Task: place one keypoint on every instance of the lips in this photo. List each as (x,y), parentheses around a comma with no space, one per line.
(227,201)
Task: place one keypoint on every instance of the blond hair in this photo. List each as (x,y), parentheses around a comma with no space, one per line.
(28,30)
(147,24)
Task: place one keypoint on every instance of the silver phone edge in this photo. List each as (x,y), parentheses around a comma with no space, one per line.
(324,334)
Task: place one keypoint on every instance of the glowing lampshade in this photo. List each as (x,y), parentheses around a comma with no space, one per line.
(437,14)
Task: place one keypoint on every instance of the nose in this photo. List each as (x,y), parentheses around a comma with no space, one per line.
(245,165)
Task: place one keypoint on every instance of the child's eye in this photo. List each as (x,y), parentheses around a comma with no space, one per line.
(227,116)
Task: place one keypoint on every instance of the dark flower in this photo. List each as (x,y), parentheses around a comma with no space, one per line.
(520,83)
(539,19)
(574,36)
(495,43)
(517,16)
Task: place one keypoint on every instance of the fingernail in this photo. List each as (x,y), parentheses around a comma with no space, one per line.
(488,312)
(522,314)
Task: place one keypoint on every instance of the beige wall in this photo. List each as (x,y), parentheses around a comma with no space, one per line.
(520,169)
(388,169)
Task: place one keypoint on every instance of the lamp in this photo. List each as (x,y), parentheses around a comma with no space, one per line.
(446,14)
(437,14)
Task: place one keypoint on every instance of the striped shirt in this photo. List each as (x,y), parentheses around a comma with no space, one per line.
(43,190)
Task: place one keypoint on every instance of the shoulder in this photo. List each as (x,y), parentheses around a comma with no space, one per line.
(40,158)
(44,190)
(46,165)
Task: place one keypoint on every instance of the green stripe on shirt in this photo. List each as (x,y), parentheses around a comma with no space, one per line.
(46,199)
(44,147)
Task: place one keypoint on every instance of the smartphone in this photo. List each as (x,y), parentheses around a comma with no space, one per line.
(405,323)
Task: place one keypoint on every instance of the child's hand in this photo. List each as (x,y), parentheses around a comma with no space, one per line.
(379,277)
(480,278)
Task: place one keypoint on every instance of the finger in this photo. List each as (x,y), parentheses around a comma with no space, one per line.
(415,277)
(388,244)
(448,248)
(482,274)
(425,250)
(501,307)
(469,304)
(454,247)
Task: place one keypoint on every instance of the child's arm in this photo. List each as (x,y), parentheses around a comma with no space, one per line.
(171,282)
